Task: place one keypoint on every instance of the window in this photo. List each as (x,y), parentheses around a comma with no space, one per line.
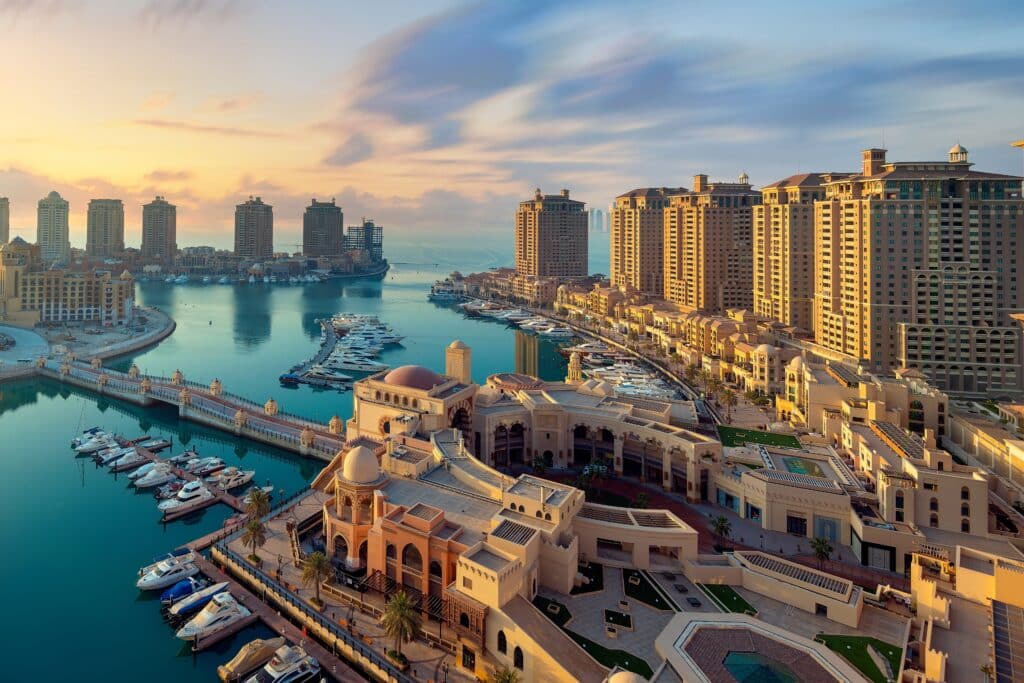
(933,505)
(391,552)
(467,583)
(965,510)
(517,658)
(463,617)
(965,493)
(933,521)
(899,500)
(965,526)
(502,643)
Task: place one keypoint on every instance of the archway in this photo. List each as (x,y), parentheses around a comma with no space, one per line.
(516,444)
(340,550)
(362,555)
(501,446)
(461,420)
(582,446)
(549,459)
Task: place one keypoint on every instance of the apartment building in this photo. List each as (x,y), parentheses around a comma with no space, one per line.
(322,229)
(637,238)
(254,230)
(159,231)
(52,234)
(104,228)
(551,236)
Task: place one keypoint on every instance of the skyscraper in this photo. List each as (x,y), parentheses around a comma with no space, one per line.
(104,228)
(254,229)
(918,264)
(551,236)
(322,229)
(5,220)
(368,237)
(52,229)
(783,244)
(159,231)
(707,250)
(637,235)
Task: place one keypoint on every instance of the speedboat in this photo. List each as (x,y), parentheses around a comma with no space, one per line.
(195,601)
(112,455)
(253,655)
(215,465)
(290,664)
(268,489)
(182,589)
(190,495)
(222,611)
(87,435)
(166,573)
(183,554)
(158,476)
(231,478)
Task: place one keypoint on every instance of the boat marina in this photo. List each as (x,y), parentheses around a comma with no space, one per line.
(349,343)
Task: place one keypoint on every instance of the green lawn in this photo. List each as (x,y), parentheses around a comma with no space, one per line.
(603,655)
(727,597)
(734,436)
(644,591)
(618,618)
(855,649)
(594,572)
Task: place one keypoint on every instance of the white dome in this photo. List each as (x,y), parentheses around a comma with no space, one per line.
(361,466)
(626,677)
(796,364)
(957,149)
(457,344)
(764,348)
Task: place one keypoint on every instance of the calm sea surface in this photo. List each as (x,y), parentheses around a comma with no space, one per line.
(73,535)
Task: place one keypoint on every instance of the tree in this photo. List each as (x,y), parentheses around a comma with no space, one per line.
(822,550)
(703,378)
(254,537)
(539,467)
(257,503)
(504,675)
(721,526)
(729,400)
(691,373)
(316,569)
(713,386)
(401,620)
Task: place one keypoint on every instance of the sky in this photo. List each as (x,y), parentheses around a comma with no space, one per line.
(436,117)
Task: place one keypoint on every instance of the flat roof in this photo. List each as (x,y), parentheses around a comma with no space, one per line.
(531,487)
(491,560)
(513,532)
(470,512)
(841,587)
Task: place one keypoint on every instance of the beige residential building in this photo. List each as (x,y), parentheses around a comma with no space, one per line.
(637,238)
(551,236)
(104,228)
(918,266)
(707,245)
(52,229)
(254,230)
(159,230)
(5,220)
(783,237)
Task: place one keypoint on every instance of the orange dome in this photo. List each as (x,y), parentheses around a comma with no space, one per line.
(414,377)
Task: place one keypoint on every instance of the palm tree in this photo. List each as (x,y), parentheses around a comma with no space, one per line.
(504,675)
(721,526)
(258,503)
(704,377)
(714,385)
(822,550)
(729,400)
(691,373)
(255,536)
(401,620)
(316,568)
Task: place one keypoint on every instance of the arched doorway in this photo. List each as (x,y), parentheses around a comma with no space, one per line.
(412,567)
(582,446)
(501,444)
(362,555)
(516,444)
(462,420)
(340,550)
(549,459)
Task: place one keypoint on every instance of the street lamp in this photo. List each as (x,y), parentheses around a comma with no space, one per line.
(444,670)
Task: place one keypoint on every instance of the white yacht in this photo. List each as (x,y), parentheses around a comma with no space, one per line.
(443,291)
(142,471)
(100,443)
(558,332)
(166,573)
(206,279)
(158,476)
(191,495)
(231,478)
(130,460)
(197,464)
(223,281)
(181,279)
(88,435)
(290,664)
(358,364)
(222,611)
(112,455)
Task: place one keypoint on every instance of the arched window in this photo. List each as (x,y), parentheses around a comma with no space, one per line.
(405,400)
(435,569)
(934,520)
(377,396)
(522,508)
(965,526)
(899,500)
(411,558)
(502,643)
(965,493)
(965,510)
(517,658)
(933,505)
(463,620)
(392,553)
(538,513)
(547,516)
(415,403)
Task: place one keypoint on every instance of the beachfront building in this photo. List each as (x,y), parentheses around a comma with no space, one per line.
(783,249)
(52,234)
(104,228)
(254,230)
(707,245)
(30,293)
(551,236)
(159,232)
(917,265)
(322,229)
(637,238)
(5,220)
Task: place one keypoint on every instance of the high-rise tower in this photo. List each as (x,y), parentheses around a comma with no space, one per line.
(52,229)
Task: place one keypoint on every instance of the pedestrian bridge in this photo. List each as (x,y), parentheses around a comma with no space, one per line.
(208,404)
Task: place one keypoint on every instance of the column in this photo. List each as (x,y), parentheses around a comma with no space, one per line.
(619,440)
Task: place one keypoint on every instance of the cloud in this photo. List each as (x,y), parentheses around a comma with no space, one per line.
(157,101)
(192,127)
(158,13)
(162,176)
(356,148)
(42,10)
(234,103)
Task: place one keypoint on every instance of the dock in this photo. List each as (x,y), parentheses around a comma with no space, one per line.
(220,496)
(202,643)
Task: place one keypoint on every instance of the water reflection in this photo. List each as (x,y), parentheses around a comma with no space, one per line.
(252,319)
(538,357)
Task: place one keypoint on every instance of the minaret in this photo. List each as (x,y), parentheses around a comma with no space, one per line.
(458,362)
(575,374)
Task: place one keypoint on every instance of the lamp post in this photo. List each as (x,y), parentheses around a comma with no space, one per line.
(444,670)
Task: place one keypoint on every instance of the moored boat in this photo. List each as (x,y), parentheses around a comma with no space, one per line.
(253,655)
(196,600)
(222,611)
(290,664)
(166,573)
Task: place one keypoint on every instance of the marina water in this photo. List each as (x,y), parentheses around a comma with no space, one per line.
(74,535)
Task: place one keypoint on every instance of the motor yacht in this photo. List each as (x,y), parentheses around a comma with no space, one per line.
(170,489)
(442,291)
(158,476)
(128,462)
(112,455)
(100,443)
(231,478)
(247,496)
(191,495)
(253,655)
(215,465)
(290,664)
(142,471)
(195,464)
(195,601)
(358,365)
(558,333)
(166,573)
(222,611)
(87,435)
(182,589)
(182,458)
(224,280)
(183,554)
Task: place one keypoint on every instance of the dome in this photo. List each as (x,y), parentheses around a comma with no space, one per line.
(360,466)
(458,344)
(958,149)
(764,348)
(796,364)
(626,677)
(414,377)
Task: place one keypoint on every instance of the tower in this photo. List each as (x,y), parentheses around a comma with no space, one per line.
(575,374)
(458,362)
(52,229)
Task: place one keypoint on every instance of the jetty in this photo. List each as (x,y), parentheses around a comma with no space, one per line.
(208,404)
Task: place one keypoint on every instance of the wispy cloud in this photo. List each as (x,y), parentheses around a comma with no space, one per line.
(158,13)
(43,9)
(192,127)
(355,149)
(164,176)
(234,103)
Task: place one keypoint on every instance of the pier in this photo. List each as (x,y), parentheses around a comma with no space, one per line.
(206,404)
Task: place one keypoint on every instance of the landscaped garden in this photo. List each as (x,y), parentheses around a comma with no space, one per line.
(594,573)
(735,436)
(855,650)
(727,598)
(618,619)
(560,615)
(639,587)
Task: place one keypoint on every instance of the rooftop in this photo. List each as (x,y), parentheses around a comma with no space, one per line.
(513,532)
(489,559)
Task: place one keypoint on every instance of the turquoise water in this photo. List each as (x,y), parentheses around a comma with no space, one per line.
(751,667)
(74,535)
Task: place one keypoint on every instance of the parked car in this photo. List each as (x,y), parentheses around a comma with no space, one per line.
(681,587)
(694,602)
